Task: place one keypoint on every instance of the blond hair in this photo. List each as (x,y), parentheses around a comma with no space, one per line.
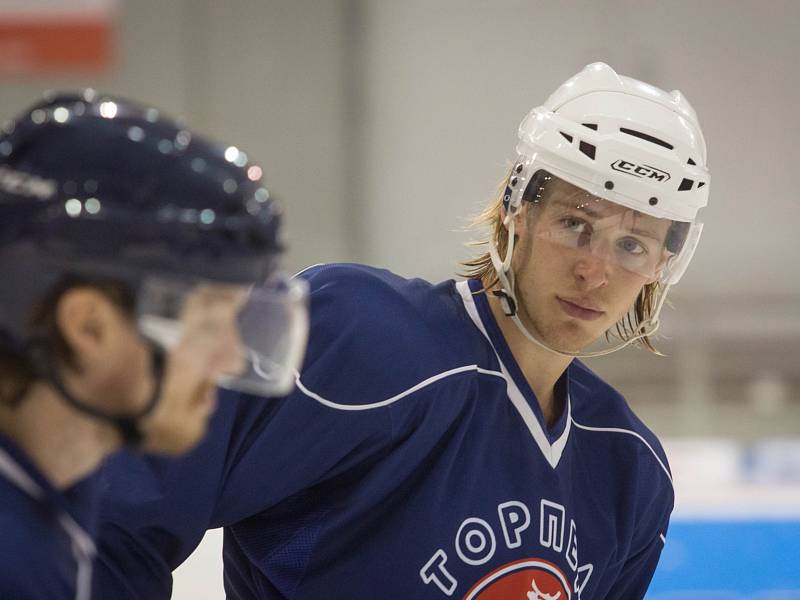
(481,268)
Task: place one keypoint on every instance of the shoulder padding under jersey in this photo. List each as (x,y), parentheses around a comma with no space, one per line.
(375,335)
(598,407)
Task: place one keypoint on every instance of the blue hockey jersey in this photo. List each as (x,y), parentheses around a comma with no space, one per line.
(411,461)
(45,554)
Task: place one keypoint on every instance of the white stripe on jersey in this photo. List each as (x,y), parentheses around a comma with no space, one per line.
(395,398)
(633,433)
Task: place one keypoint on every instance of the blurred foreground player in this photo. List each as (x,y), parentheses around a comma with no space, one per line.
(139,268)
(443,441)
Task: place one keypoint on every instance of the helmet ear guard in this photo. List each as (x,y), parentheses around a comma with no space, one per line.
(517,184)
(678,263)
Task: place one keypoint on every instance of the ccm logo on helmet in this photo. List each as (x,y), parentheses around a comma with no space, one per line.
(24,184)
(644,171)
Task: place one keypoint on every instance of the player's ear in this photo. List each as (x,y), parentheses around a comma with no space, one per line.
(521,222)
(84,318)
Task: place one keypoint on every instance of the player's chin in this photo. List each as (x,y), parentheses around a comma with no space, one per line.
(575,337)
(195,425)
(196,436)
(186,428)
(185,439)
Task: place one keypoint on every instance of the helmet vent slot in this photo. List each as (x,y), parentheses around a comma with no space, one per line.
(691,162)
(701,184)
(590,125)
(647,138)
(685,185)
(588,149)
(566,136)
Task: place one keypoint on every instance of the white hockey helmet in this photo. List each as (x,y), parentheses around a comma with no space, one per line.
(622,140)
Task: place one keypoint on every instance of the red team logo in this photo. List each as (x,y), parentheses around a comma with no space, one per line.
(527,579)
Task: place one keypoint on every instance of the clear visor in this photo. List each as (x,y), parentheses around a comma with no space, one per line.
(252,340)
(273,326)
(617,235)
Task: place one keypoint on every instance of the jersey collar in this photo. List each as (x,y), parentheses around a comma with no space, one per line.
(20,472)
(74,504)
(551,441)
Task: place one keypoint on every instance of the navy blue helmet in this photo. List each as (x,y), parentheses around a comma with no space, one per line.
(99,184)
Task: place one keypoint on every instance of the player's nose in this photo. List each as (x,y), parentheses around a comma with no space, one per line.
(591,270)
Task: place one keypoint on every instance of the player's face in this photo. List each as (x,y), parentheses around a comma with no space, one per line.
(116,374)
(572,292)
(209,347)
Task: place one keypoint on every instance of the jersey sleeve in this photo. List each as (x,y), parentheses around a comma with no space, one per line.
(152,512)
(295,444)
(328,424)
(643,496)
(651,522)
(637,572)
(258,451)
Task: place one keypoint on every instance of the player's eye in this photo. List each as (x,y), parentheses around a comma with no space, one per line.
(632,246)
(574,224)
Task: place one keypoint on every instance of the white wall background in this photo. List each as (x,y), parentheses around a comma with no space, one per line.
(382,125)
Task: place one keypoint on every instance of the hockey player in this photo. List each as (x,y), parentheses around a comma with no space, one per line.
(444,441)
(139,268)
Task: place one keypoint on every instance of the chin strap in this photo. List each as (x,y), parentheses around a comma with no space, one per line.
(128,426)
(508,300)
